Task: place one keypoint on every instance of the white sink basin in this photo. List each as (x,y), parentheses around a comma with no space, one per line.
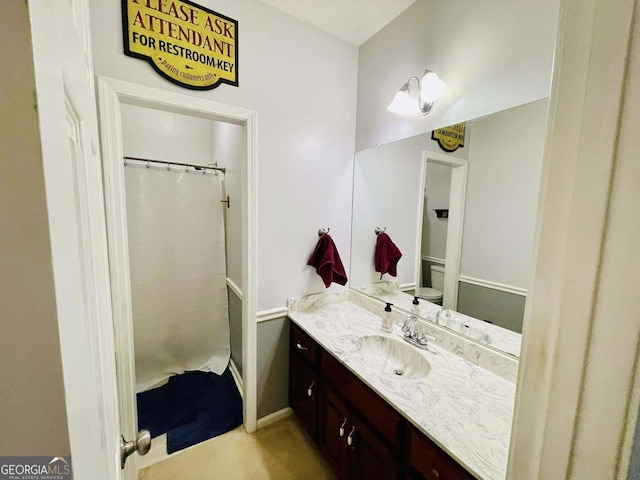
(393,357)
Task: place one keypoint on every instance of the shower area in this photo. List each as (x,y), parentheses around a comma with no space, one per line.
(182,178)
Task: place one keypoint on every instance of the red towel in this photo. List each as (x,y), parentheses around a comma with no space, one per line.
(327,262)
(386,256)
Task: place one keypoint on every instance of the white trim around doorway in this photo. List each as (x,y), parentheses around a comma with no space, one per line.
(457,196)
(112,94)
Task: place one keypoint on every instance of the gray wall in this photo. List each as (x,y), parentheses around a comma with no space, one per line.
(501,308)
(33,417)
(273,366)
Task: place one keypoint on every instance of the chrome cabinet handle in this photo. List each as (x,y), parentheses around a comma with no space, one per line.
(300,347)
(350,437)
(341,431)
(310,390)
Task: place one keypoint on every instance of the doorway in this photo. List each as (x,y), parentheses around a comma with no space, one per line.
(450,224)
(115,97)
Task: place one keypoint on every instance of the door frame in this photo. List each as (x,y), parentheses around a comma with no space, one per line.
(578,390)
(455,223)
(112,94)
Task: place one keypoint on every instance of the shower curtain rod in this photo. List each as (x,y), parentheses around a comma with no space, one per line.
(162,162)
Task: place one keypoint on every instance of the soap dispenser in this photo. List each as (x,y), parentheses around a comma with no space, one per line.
(387,322)
(415,308)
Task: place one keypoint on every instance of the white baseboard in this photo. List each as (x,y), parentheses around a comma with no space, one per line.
(237,377)
(274,417)
(407,286)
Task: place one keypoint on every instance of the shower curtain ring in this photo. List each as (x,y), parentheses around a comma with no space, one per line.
(168,166)
(148,162)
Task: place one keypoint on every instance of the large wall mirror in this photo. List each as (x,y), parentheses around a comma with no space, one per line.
(475,258)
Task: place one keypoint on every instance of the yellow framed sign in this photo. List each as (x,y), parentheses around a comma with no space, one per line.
(187,44)
(450,138)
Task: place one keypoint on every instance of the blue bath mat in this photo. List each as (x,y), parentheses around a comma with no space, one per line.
(191,408)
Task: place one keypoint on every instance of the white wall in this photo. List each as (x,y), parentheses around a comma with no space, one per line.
(228,149)
(493,55)
(386,192)
(434,229)
(302,83)
(505,162)
(170,136)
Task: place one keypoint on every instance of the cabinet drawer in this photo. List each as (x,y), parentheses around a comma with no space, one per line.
(369,405)
(430,462)
(304,345)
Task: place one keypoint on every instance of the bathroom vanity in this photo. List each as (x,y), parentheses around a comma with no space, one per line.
(378,407)
(358,432)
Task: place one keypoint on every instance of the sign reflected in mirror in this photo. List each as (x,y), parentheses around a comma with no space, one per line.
(475,259)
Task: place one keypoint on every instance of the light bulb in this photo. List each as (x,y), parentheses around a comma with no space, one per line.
(432,87)
(402,103)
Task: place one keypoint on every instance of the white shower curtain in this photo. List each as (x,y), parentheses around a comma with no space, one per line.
(178,272)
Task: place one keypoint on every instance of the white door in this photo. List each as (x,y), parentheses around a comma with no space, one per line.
(73,182)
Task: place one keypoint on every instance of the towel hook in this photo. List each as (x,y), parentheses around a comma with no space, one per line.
(379,231)
(323,231)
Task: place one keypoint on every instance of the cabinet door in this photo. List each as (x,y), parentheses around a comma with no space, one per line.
(303,388)
(431,463)
(370,458)
(333,428)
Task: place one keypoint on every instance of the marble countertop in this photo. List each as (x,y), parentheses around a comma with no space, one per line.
(463,408)
(493,335)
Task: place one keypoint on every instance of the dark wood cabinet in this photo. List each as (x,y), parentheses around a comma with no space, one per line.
(350,446)
(371,459)
(303,392)
(334,427)
(428,461)
(359,434)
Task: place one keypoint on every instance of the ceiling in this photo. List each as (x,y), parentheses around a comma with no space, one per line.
(354,21)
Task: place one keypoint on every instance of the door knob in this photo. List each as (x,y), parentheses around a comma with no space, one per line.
(142,445)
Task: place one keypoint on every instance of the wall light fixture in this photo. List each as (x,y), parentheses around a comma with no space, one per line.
(431,88)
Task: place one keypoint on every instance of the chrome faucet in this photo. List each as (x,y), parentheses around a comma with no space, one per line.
(447,314)
(410,326)
(413,334)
